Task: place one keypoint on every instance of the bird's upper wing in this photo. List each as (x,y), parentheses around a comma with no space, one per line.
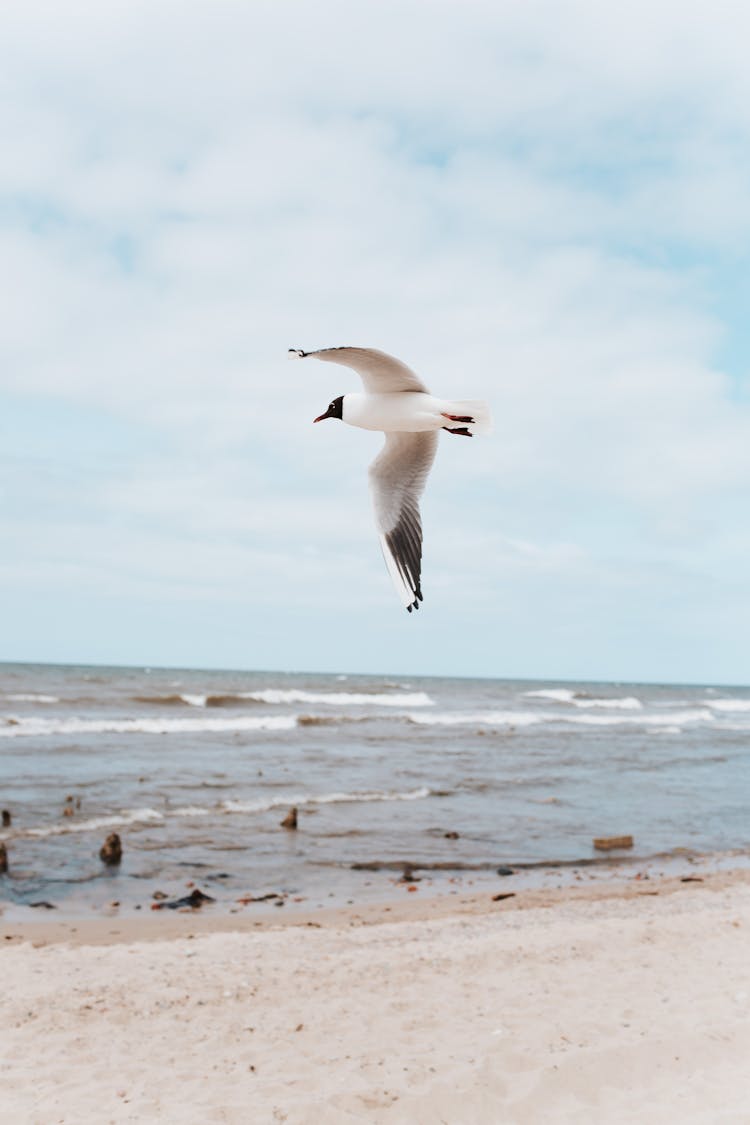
(379,372)
(397,479)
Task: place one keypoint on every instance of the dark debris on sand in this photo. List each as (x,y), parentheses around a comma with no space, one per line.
(194,900)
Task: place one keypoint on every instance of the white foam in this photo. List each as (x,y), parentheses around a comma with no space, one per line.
(561,695)
(94,824)
(729,705)
(32,697)
(626,703)
(40,727)
(340,698)
(483,718)
(300,800)
(529,718)
(567,695)
(662,719)
(154,816)
(194,700)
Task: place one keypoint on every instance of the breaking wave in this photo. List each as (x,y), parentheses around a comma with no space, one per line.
(671,720)
(92,824)
(480,718)
(328,799)
(155,816)
(560,695)
(18,727)
(276,696)
(32,697)
(728,705)
(342,698)
(582,699)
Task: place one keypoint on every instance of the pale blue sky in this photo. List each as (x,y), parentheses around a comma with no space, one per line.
(546,205)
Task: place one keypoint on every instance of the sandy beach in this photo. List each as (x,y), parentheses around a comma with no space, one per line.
(618,1003)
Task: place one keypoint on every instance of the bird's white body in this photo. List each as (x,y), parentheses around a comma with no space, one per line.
(398,403)
(410,412)
(401,412)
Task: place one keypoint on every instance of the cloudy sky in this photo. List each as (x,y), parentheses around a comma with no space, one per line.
(543,204)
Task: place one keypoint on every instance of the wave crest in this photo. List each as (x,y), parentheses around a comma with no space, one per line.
(155,816)
(40,727)
(583,699)
(729,706)
(342,698)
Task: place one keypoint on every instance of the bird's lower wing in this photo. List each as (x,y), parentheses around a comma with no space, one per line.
(380,373)
(397,479)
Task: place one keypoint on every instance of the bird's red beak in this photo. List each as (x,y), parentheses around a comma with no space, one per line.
(320,418)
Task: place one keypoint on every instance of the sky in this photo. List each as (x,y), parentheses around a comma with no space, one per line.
(543,204)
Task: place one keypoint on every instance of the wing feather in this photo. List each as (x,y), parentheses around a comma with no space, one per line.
(380,373)
(397,479)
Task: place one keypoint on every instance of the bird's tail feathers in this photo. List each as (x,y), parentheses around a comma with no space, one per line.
(479,412)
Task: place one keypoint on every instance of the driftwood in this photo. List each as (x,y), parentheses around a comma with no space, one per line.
(610,843)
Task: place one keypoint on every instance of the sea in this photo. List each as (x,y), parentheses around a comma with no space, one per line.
(429,783)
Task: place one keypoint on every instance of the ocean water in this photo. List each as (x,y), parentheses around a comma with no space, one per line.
(195,770)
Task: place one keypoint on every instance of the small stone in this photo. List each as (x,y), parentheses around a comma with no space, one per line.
(451,835)
(6,818)
(505,871)
(3,859)
(111,850)
(159,896)
(290,820)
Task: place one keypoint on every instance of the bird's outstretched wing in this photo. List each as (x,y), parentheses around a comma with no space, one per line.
(397,479)
(380,373)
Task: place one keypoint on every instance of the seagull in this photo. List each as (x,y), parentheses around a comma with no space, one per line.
(397,402)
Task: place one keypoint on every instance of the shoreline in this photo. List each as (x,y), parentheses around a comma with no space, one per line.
(504,897)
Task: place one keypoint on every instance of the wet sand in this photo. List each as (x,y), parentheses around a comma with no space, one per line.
(622,1002)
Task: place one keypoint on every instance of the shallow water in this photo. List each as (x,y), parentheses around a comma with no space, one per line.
(196,769)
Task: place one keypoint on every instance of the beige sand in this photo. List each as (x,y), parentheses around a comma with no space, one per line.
(602,1006)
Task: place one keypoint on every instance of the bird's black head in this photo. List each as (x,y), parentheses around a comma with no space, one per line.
(335,410)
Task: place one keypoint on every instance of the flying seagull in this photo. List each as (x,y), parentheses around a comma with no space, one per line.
(397,402)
